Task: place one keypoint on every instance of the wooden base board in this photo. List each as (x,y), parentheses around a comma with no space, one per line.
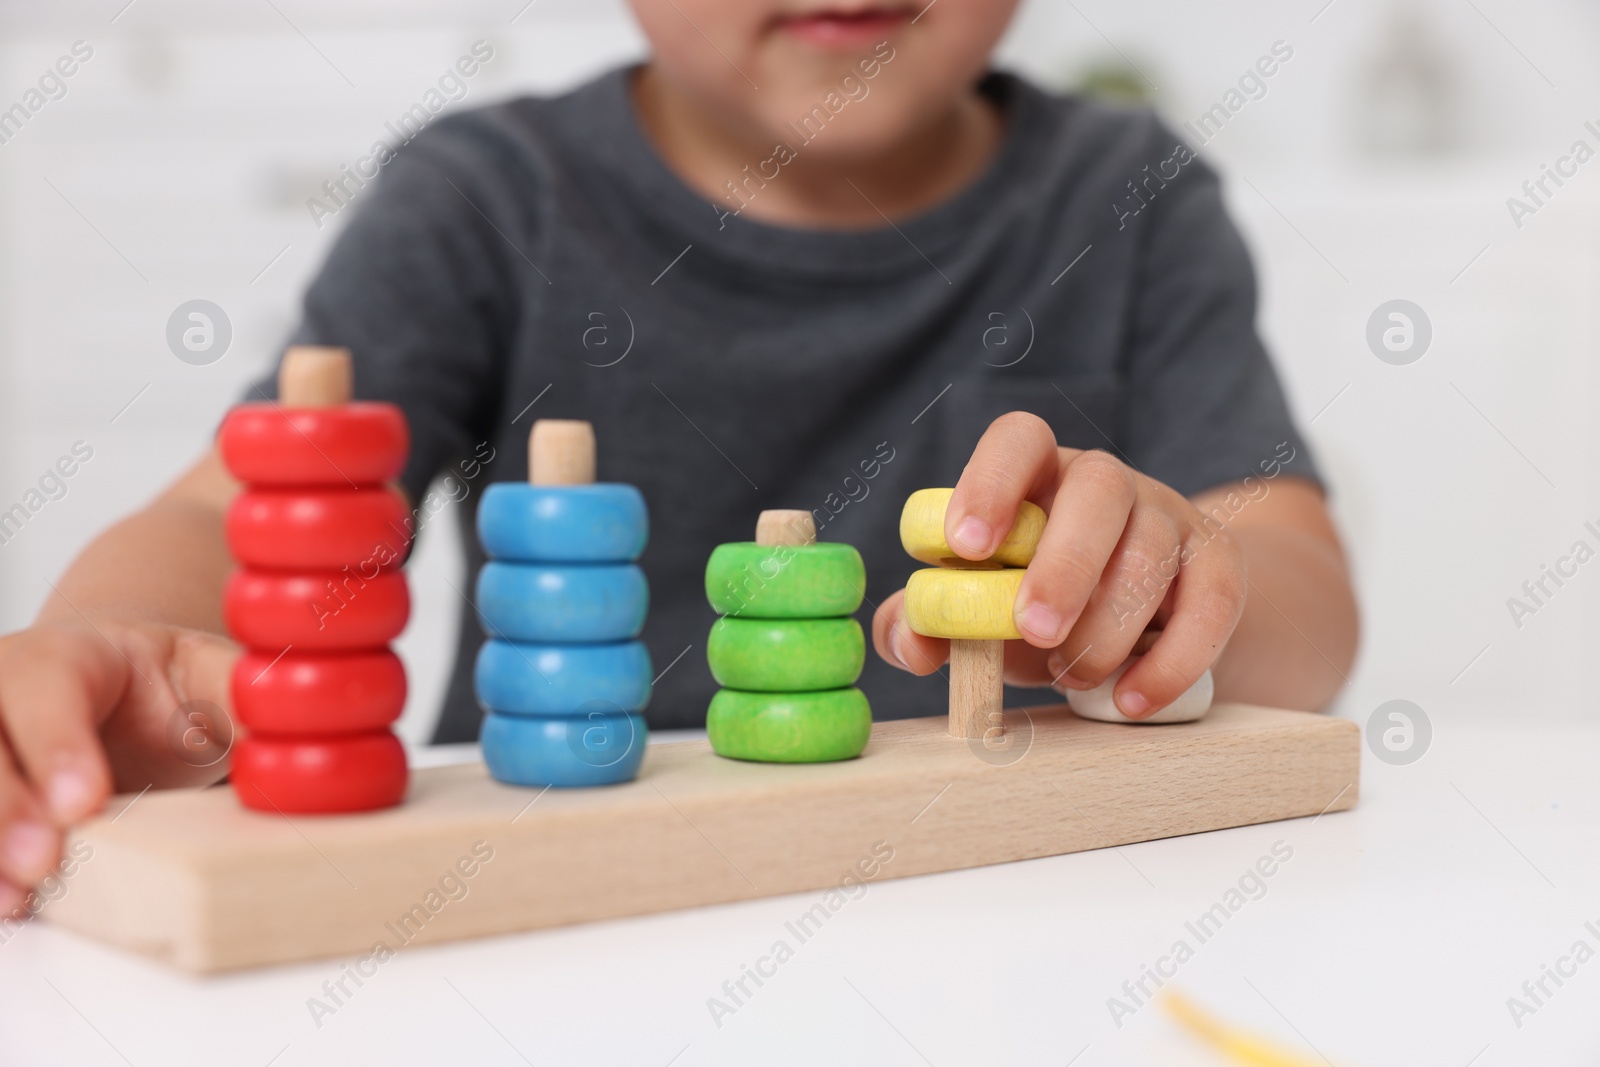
(193,878)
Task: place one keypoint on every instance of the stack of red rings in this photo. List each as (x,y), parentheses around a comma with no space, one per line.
(320,537)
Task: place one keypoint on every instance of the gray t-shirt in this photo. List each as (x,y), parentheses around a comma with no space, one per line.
(539,252)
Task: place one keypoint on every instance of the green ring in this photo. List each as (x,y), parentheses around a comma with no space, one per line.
(816,581)
(833,724)
(786,655)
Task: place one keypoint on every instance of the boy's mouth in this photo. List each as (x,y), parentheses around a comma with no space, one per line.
(838,27)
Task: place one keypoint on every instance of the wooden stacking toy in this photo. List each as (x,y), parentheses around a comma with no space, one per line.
(188,876)
(970,602)
(563,677)
(786,648)
(319,593)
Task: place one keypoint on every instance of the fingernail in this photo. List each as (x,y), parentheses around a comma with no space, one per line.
(973,535)
(69,795)
(897,645)
(1132,704)
(28,848)
(1041,621)
(1057,666)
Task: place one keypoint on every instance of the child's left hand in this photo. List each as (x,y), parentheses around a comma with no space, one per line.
(1120,551)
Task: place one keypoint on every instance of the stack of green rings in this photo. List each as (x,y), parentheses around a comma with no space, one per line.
(787,652)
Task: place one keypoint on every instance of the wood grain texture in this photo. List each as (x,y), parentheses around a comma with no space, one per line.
(977,688)
(561,452)
(785,526)
(193,878)
(315,376)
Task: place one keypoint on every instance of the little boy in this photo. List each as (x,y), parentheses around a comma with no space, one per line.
(812,254)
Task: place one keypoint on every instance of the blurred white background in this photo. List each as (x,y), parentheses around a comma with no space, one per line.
(1376,167)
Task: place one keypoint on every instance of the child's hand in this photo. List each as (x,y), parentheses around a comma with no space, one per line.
(1107,566)
(85,708)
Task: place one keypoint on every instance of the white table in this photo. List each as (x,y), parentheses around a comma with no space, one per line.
(1394,935)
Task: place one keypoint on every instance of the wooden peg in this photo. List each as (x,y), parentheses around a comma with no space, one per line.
(977,694)
(315,376)
(785,526)
(561,452)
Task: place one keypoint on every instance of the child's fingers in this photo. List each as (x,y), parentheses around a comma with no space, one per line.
(1206,607)
(1087,520)
(202,667)
(899,645)
(1125,599)
(51,698)
(1015,457)
(29,845)
(1027,667)
(190,665)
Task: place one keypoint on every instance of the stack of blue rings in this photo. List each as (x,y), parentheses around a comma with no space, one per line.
(563,678)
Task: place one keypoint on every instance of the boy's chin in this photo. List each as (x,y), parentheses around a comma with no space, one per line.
(860,130)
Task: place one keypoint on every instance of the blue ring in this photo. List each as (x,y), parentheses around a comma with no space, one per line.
(519,679)
(604,523)
(602,749)
(564,603)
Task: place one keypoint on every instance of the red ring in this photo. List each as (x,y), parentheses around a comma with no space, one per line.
(356,772)
(318,693)
(318,529)
(351,444)
(317,611)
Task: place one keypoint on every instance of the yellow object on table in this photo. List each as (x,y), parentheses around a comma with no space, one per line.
(1238,1046)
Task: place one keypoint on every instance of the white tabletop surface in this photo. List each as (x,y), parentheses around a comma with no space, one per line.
(1394,935)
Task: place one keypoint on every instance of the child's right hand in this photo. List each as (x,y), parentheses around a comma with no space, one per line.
(86,708)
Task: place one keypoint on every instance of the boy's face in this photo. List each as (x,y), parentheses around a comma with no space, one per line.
(862,71)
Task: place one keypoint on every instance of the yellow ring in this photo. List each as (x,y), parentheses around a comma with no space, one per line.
(975,605)
(922,532)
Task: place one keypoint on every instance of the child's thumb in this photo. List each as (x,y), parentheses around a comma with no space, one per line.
(202,668)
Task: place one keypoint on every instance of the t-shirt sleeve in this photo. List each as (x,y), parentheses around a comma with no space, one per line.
(1204,404)
(422,288)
